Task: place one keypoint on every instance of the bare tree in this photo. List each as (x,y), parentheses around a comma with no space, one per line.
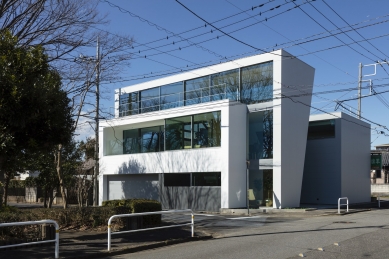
(60,26)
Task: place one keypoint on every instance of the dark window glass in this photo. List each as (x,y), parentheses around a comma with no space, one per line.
(128,104)
(207,130)
(261,135)
(151,139)
(378,173)
(172,96)
(149,100)
(176,179)
(131,141)
(206,179)
(197,90)
(178,133)
(257,83)
(321,129)
(225,85)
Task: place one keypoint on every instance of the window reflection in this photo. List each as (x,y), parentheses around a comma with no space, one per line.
(197,90)
(149,100)
(172,96)
(206,130)
(261,135)
(225,85)
(257,83)
(178,133)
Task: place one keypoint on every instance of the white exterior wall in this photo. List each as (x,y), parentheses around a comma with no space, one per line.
(229,159)
(291,116)
(355,159)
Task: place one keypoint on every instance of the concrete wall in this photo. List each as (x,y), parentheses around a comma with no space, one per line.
(322,174)
(338,167)
(133,186)
(355,159)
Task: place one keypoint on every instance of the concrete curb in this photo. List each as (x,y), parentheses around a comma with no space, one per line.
(128,250)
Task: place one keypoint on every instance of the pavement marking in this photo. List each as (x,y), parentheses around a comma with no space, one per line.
(206,215)
(247,217)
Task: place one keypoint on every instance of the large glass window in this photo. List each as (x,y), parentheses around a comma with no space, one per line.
(176,179)
(197,90)
(321,129)
(225,85)
(128,104)
(143,140)
(260,192)
(131,141)
(172,96)
(207,130)
(206,179)
(149,100)
(151,139)
(178,133)
(261,135)
(257,83)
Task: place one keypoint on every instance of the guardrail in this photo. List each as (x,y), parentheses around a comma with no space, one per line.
(40,222)
(146,229)
(344,198)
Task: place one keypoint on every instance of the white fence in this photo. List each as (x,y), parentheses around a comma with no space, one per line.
(40,222)
(146,229)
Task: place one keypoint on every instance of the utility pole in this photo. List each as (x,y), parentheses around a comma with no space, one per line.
(96,171)
(360,91)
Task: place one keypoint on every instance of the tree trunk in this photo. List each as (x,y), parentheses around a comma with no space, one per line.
(51,198)
(45,198)
(7,178)
(61,183)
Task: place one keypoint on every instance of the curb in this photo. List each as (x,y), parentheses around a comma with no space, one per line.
(128,250)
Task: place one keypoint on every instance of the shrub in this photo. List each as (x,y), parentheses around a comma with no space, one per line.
(138,206)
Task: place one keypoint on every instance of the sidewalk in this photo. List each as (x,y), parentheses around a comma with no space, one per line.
(92,244)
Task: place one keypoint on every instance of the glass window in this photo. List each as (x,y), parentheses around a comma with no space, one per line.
(225,85)
(321,129)
(207,130)
(261,135)
(128,104)
(131,141)
(176,179)
(151,139)
(178,133)
(206,179)
(257,83)
(149,100)
(197,90)
(260,188)
(172,95)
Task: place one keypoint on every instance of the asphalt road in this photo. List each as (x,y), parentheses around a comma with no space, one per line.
(359,235)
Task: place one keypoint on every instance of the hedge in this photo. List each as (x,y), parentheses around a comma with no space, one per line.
(138,206)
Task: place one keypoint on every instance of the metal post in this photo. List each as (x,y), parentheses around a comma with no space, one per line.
(192,225)
(96,171)
(360,91)
(56,241)
(379,202)
(247,186)
(109,236)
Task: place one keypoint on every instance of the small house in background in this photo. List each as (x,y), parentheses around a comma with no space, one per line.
(379,172)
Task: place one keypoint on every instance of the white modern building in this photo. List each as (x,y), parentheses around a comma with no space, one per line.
(190,140)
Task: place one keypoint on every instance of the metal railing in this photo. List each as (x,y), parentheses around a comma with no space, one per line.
(146,229)
(344,198)
(40,222)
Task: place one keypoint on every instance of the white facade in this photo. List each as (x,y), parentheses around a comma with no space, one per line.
(292,82)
